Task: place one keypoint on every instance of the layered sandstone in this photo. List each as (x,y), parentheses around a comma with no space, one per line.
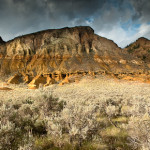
(58,54)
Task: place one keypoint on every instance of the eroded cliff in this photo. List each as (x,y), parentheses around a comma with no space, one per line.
(60,53)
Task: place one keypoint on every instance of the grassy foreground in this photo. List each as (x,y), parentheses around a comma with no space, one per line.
(95,114)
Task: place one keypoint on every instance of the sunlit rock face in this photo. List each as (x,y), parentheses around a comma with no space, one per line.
(60,52)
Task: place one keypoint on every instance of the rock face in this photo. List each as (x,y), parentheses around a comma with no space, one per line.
(16,79)
(141,49)
(5,89)
(59,53)
(1,40)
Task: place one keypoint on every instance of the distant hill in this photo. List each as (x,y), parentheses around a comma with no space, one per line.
(141,49)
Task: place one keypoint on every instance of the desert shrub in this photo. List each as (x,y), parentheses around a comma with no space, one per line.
(19,118)
(138,126)
(88,119)
(112,107)
(136,46)
(112,110)
(8,131)
(77,122)
(8,134)
(130,50)
(144,57)
(132,47)
(50,104)
(138,130)
(43,143)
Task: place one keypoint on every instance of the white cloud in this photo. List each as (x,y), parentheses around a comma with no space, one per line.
(123,37)
(117,34)
(143,30)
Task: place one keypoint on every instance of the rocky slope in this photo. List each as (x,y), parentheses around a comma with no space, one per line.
(141,49)
(62,53)
(1,40)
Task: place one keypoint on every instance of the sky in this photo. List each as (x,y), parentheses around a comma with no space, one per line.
(122,21)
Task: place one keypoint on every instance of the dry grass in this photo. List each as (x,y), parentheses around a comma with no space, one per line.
(96,113)
(87,90)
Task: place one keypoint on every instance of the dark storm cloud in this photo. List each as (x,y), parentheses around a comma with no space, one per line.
(72,12)
(24,16)
(21,16)
(142,9)
(75,8)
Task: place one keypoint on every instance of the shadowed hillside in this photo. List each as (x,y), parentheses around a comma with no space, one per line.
(141,49)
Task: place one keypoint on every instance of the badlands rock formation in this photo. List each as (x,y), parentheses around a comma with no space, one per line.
(63,56)
(141,49)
